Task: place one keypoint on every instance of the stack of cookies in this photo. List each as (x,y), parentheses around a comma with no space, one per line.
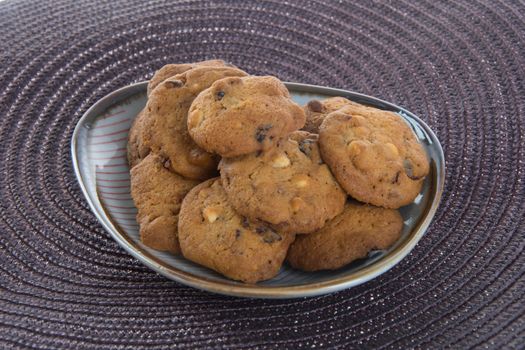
(222,173)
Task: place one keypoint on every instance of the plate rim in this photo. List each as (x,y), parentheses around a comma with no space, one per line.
(257,291)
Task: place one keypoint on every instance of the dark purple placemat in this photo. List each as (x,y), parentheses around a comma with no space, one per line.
(64,283)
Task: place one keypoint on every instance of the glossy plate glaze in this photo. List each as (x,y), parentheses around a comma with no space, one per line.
(99,158)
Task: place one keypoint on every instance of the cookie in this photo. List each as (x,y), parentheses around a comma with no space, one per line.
(316,111)
(374,155)
(288,186)
(212,234)
(351,235)
(165,132)
(237,116)
(137,149)
(170,70)
(158,193)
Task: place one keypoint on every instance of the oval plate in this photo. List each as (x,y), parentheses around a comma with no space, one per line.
(99,157)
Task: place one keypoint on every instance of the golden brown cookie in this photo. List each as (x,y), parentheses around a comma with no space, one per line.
(288,186)
(316,111)
(349,236)
(212,234)
(158,193)
(374,155)
(170,70)
(165,132)
(137,149)
(237,116)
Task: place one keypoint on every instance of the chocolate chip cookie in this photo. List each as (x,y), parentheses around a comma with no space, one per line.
(165,129)
(349,236)
(237,116)
(288,186)
(158,193)
(316,111)
(374,155)
(170,70)
(212,234)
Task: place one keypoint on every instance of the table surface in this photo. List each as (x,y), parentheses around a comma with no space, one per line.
(64,283)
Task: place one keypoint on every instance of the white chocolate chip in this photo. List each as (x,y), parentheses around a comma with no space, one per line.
(211,214)
(300,181)
(281,161)
(296,204)
(392,150)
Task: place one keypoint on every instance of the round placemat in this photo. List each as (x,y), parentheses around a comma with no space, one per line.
(64,283)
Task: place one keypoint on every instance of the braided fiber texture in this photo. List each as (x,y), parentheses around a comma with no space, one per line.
(64,283)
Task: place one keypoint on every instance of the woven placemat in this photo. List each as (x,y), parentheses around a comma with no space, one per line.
(64,283)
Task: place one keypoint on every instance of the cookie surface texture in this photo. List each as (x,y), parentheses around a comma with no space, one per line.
(288,186)
(349,236)
(158,193)
(374,155)
(237,116)
(212,234)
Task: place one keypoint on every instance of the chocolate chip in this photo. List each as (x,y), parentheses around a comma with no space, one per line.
(261,229)
(315,106)
(271,236)
(262,131)
(268,235)
(174,83)
(237,233)
(245,223)
(396,178)
(258,154)
(220,95)
(409,170)
(305,147)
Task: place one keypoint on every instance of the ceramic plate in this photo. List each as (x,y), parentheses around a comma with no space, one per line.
(99,158)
